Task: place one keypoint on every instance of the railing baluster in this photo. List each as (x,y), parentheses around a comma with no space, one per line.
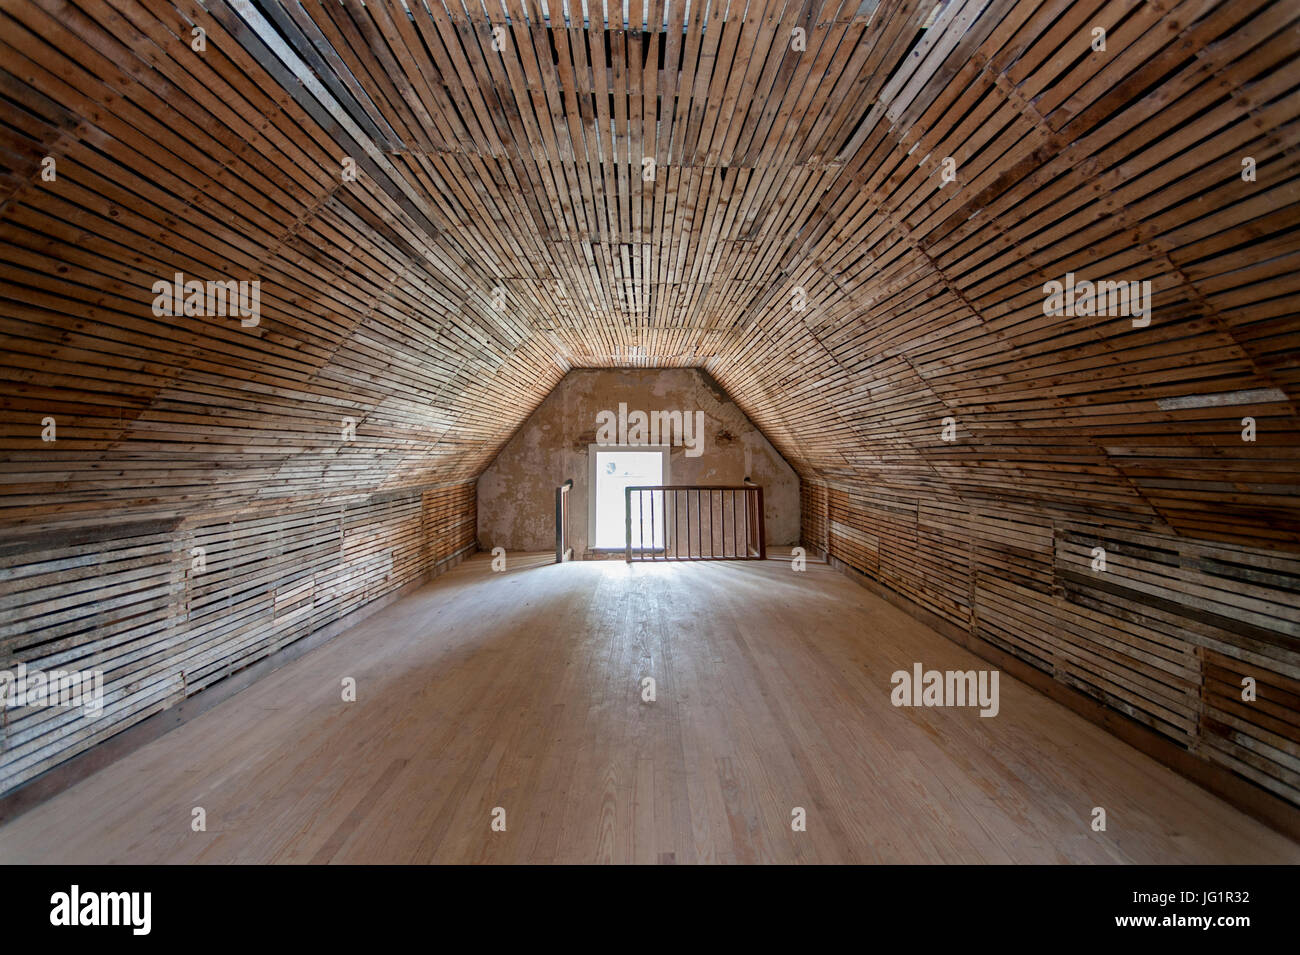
(731,500)
(690,551)
(676,516)
(713,551)
(722,506)
(652,520)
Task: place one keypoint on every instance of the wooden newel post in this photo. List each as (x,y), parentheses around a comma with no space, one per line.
(562,549)
(627,521)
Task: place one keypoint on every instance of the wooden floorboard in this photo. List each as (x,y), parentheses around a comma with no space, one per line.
(521,690)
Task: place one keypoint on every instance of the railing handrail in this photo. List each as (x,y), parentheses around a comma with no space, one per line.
(691,487)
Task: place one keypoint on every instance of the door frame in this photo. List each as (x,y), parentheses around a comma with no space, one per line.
(592,479)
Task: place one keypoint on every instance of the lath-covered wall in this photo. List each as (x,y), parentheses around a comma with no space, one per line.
(163,620)
(1163,634)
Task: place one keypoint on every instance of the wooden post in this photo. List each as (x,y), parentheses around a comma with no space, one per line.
(562,549)
(627,521)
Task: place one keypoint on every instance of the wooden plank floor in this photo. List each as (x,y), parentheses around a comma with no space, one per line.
(521,690)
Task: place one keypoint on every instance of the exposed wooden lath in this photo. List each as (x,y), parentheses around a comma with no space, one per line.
(169,608)
(794,235)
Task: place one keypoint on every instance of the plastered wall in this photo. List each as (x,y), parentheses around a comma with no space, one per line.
(516,494)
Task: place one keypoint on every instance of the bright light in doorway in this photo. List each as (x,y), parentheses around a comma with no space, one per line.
(616,470)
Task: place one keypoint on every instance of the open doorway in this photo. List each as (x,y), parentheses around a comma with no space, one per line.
(613,470)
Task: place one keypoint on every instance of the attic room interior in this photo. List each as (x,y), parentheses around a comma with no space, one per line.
(669,433)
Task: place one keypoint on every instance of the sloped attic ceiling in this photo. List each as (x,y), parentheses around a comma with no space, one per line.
(448,207)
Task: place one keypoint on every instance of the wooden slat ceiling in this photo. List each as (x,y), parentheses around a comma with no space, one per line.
(505,226)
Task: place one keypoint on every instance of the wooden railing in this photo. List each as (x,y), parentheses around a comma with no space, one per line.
(563,549)
(695,522)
